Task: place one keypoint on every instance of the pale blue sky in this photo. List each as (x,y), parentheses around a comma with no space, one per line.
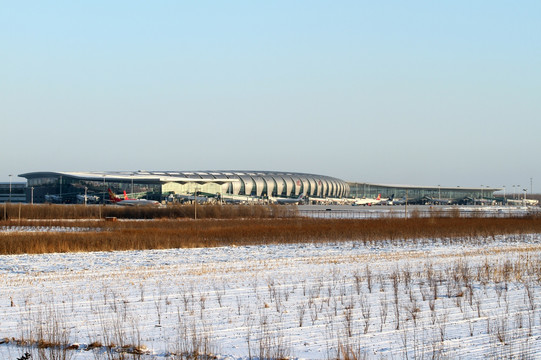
(422,92)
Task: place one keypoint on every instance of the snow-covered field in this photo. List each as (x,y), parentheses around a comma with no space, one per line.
(7,230)
(467,298)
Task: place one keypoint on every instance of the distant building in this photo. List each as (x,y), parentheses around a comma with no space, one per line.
(425,194)
(12,192)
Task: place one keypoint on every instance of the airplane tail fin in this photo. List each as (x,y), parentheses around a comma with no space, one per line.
(379,197)
(113,196)
(125,195)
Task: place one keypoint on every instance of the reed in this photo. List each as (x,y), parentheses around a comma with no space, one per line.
(166,233)
(177,211)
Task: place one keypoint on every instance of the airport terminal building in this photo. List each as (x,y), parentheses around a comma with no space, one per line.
(425,194)
(68,187)
(12,192)
(73,187)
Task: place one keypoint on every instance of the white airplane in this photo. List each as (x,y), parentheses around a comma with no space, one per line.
(130,202)
(316,200)
(367,201)
(90,199)
(239,199)
(527,202)
(231,200)
(280,200)
(200,199)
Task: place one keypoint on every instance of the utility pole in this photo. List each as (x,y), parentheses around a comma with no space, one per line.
(195,204)
(406,207)
(531,186)
(10,175)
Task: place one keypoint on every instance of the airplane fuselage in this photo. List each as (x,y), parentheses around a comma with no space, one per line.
(278,200)
(137,202)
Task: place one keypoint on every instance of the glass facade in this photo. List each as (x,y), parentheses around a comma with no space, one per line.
(429,193)
(14,192)
(66,189)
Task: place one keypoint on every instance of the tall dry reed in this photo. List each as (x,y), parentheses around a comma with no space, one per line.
(163,234)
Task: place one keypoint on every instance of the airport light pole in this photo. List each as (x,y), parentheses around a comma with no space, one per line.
(10,175)
(32,195)
(86,188)
(406,207)
(439,192)
(481,191)
(195,203)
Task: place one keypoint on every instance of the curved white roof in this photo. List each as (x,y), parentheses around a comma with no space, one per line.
(244,182)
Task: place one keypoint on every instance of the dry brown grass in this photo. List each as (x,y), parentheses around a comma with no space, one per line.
(51,211)
(165,233)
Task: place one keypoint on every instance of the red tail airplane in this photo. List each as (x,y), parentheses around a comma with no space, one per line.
(129,202)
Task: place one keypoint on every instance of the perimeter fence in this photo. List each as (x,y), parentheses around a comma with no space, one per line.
(329,213)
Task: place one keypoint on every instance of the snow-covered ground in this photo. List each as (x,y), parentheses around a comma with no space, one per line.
(6,230)
(468,298)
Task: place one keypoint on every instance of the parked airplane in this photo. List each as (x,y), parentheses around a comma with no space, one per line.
(54,199)
(388,201)
(324,201)
(90,199)
(523,202)
(232,200)
(345,201)
(280,200)
(423,200)
(367,201)
(130,202)
(200,199)
(436,201)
